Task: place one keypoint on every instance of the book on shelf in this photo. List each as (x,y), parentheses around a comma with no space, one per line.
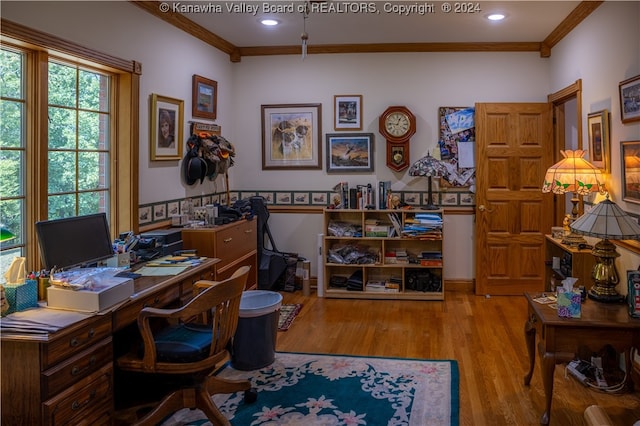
(384,190)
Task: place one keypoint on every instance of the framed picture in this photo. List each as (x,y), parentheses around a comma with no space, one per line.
(630,99)
(291,135)
(204,101)
(167,117)
(599,151)
(630,157)
(349,152)
(347,112)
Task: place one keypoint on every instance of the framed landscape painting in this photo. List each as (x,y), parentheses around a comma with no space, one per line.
(630,157)
(347,112)
(349,152)
(204,99)
(630,99)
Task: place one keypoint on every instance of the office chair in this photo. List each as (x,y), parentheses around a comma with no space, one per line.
(186,350)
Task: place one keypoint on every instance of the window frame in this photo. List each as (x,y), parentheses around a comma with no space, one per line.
(39,48)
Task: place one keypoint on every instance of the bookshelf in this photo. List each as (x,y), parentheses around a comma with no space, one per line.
(383,254)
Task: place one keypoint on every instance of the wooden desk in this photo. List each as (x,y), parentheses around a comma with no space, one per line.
(67,377)
(562,339)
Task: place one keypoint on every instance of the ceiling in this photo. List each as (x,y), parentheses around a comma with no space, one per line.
(339,26)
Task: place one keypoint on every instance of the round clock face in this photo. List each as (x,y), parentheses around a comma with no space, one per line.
(397,124)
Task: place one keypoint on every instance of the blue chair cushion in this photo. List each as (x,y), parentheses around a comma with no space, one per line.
(183,343)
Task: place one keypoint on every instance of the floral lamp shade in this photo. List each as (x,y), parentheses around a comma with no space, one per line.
(573,174)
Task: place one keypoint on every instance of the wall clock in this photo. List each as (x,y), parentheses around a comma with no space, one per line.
(397,125)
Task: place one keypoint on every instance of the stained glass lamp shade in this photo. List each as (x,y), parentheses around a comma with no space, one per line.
(607,221)
(576,175)
(430,167)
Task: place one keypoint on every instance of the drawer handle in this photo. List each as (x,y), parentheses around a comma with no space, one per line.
(227,240)
(77,370)
(75,342)
(248,231)
(75,405)
(156,300)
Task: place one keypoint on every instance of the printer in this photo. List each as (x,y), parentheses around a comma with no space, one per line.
(167,241)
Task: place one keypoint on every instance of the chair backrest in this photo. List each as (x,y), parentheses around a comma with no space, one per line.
(220,301)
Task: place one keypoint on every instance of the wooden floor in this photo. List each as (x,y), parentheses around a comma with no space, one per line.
(485,336)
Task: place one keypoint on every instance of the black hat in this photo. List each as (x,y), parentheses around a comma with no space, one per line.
(194,168)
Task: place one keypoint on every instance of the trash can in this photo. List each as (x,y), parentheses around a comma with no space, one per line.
(254,344)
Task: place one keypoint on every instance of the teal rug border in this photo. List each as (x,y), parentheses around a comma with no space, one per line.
(455,376)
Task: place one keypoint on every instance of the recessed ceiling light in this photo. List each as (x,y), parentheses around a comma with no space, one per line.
(496,17)
(269,22)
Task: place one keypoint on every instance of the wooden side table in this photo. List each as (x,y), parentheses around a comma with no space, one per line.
(559,339)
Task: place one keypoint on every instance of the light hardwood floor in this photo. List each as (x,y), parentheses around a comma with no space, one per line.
(485,336)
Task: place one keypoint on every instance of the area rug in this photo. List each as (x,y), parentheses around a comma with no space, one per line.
(287,314)
(311,389)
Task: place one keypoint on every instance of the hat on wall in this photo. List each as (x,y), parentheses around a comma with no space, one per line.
(194,168)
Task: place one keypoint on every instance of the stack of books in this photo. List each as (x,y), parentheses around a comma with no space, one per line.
(423,226)
(430,258)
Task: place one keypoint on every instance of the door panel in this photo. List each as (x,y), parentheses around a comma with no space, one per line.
(514,149)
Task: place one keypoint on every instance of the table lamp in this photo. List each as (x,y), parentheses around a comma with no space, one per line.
(576,175)
(430,167)
(607,221)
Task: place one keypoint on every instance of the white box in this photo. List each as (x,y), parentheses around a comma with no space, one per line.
(106,294)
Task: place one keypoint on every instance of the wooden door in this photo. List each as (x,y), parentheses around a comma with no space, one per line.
(514,150)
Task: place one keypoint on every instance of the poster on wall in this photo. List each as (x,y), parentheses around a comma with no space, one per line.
(456,142)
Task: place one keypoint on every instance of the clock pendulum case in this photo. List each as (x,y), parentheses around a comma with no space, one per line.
(397,125)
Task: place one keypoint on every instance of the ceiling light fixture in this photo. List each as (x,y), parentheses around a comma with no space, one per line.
(496,16)
(269,22)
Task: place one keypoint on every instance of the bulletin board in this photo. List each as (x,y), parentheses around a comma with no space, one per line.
(457,145)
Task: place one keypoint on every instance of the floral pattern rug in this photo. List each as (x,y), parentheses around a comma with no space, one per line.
(313,389)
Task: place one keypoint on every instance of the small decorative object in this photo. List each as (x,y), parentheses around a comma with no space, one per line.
(397,125)
(347,112)
(599,151)
(204,100)
(349,152)
(291,136)
(630,157)
(557,232)
(629,105)
(573,174)
(633,294)
(607,221)
(430,167)
(167,118)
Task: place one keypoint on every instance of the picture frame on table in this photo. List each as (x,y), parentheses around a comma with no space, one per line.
(291,136)
(204,100)
(350,152)
(630,99)
(167,121)
(630,159)
(599,143)
(347,112)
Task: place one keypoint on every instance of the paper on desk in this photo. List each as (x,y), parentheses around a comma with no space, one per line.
(158,271)
(40,320)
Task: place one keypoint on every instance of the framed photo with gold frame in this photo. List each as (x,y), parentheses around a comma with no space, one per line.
(204,100)
(630,158)
(599,144)
(347,112)
(291,136)
(167,118)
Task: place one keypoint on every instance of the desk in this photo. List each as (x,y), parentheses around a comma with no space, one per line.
(561,339)
(67,377)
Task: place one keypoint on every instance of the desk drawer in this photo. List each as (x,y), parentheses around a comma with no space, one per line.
(90,399)
(68,344)
(65,374)
(128,314)
(235,241)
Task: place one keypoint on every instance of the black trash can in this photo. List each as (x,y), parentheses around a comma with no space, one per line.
(254,344)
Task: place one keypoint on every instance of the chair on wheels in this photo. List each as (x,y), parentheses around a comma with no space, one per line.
(184,347)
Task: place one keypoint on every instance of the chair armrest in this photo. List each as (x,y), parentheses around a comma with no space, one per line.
(203,284)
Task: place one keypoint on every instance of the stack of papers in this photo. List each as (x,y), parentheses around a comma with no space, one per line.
(40,320)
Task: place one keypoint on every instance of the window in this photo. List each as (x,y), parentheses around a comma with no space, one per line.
(67,118)
(12,155)
(78,143)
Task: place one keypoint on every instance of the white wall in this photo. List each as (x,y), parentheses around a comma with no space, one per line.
(603,51)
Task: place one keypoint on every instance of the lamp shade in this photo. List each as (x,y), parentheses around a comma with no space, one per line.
(573,174)
(607,220)
(427,166)
(5,234)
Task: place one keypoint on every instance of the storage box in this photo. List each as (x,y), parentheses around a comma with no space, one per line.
(21,296)
(102,296)
(569,304)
